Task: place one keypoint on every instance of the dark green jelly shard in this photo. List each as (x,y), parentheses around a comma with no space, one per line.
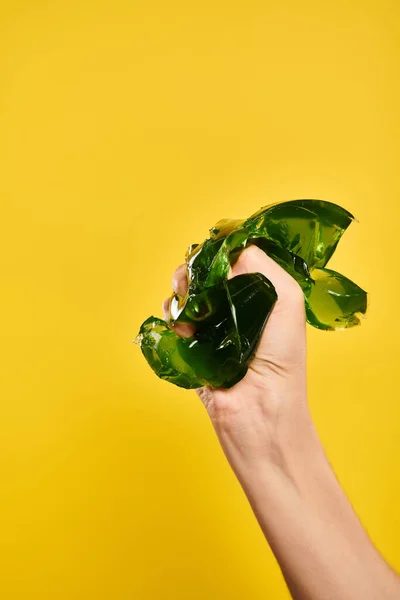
(229,315)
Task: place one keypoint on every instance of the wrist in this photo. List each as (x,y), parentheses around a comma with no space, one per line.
(267,432)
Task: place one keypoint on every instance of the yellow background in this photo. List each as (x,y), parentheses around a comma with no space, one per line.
(126,130)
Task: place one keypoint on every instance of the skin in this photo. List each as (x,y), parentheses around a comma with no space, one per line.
(267,434)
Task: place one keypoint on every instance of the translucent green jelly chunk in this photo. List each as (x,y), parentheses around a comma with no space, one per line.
(230,315)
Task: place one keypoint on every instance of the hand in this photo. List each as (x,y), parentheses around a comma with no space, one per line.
(266,431)
(269,403)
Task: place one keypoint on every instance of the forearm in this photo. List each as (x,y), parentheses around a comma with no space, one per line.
(309,523)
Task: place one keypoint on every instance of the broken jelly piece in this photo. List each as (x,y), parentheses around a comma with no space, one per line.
(229,315)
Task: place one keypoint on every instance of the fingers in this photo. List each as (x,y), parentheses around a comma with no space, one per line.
(181,329)
(180,286)
(289,308)
(180,281)
(165,308)
(251,260)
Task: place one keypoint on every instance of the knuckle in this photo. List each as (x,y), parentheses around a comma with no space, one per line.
(297,293)
(179,280)
(249,260)
(293,295)
(252,254)
(165,308)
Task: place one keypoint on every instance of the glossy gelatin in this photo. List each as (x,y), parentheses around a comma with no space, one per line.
(229,315)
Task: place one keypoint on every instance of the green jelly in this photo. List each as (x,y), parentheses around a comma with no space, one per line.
(229,315)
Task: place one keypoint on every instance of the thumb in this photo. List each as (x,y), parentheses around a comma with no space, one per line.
(284,337)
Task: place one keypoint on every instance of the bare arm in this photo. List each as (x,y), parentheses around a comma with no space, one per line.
(320,545)
(266,431)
